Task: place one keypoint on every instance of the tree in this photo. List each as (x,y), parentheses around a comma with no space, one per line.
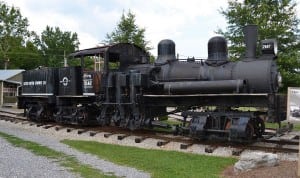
(28,55)
(14,37)
(56,44)
(25,57)
(128,32)
(275,19)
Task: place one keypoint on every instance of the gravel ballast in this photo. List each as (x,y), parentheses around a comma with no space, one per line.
(53,143)
(19,162)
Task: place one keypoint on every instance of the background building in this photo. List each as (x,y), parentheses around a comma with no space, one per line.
(10,81)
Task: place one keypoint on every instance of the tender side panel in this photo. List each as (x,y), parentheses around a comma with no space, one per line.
(70,81)
(41,82)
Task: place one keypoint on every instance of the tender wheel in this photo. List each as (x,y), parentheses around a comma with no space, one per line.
(41,114)
(249,133)
(82,117)
(259,127)
(31,113)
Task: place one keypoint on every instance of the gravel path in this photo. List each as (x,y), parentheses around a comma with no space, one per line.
(53,143)
(17,166)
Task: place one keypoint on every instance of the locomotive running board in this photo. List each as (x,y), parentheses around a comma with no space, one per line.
(193,95)
(231,99)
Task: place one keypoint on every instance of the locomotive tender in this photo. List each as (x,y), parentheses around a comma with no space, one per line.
(128,91)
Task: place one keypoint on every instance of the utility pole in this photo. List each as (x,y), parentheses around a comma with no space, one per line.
(65,59)
(6,63)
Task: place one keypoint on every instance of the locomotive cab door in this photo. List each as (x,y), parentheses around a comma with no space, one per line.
(92,78)
(110,67)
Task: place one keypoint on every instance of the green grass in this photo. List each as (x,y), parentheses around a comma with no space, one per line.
(159,163)
(64,160)
(275,126)
(172,122)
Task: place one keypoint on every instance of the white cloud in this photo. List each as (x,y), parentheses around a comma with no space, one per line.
(189,23)
(173,18)
(298,8)
(93,19)
(87,40)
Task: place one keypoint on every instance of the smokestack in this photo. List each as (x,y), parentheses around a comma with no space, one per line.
(250,36)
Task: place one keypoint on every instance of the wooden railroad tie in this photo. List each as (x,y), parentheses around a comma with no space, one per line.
(57,128)
(81,131)
(210,149)
(24,122)
(237,151)
(162,143)
(39,125)
(185,146)
(140,139)
(93,133)
(121,137)
(107,135)
(69,129)
(48,126)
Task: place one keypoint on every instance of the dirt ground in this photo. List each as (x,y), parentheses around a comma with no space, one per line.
(285,169)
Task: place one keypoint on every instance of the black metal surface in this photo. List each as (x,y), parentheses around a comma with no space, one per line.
(269,47)
(251,35)
(70,81)
(166,52)
(130,92)
(217,49)
(126,53)
(260,76)
(238,128)
(246,100)
(40,82)
(190,87)
(197,125)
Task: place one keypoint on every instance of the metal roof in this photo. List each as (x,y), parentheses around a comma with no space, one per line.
(6,74)
(112,48)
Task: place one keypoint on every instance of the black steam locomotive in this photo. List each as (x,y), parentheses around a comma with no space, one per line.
(128,91)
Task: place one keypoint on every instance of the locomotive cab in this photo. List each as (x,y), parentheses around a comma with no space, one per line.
(110,59)
(113,84)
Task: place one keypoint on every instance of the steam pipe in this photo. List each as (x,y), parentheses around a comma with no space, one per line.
(204,86)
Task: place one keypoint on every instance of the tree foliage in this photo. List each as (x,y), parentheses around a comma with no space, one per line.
(55,44)
(21,48)
(275,19)
(16,48)
(127,31)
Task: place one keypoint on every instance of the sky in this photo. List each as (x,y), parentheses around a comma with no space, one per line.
(190,23)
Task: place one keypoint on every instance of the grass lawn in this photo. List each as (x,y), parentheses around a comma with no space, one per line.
(275,125)
(64,160)
(172,122)
(158,163)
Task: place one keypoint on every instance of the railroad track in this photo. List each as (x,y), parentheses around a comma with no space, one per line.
(286,143)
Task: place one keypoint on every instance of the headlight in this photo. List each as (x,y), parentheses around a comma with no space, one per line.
(279,79)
